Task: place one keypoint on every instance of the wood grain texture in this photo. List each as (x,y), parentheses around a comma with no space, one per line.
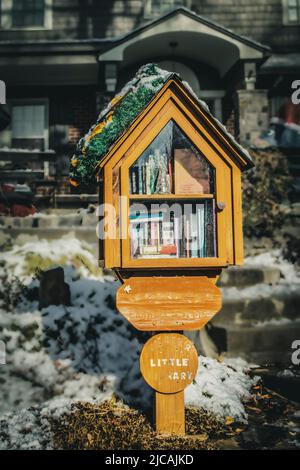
(169,413)
(169,362)
(168,303)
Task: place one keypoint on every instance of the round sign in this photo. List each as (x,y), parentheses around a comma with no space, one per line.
(169,362)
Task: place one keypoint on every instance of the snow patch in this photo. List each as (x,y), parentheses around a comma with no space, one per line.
(221,387)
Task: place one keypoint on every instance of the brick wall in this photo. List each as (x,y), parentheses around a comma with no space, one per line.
(82,111)
(253,115)
(74,109)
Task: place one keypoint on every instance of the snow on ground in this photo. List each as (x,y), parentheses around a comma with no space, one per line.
(287,286)
(274,258)
(221,387)
(66,248)
(283,289)
(85,352)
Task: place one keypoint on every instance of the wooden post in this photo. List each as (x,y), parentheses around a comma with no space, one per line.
(169,413)
(169,364)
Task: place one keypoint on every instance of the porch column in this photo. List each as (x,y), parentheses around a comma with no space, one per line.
(253,108)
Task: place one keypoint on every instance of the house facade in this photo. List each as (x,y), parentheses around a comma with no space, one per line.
(61,62)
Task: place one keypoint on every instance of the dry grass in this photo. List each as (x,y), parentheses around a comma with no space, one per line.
(113,425)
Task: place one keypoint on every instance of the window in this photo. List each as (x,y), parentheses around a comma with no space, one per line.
(29,125)
(159,7)
(28,13)
(22,14)
(171,165)
(291,11)
(172,205)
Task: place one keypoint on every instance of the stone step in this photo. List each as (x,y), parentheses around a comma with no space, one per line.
(286,382)
(53,220)
(244,276)
(265,344)
(87,234)
(260,304)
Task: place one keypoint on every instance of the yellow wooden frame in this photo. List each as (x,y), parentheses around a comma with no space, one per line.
(174,102)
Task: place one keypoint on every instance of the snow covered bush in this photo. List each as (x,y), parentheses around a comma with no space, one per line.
(30,254)
(291,251)
(221,388)
(263,196)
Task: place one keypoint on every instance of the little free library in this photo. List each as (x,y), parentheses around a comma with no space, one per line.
(169,180)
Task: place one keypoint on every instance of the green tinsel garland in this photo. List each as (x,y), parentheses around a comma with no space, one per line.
(88,154)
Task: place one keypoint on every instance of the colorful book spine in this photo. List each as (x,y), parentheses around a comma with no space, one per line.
(170,175)
(134,180)
(200,222)
(188,237)
(194,236)
(140,180)
(148,178)
(144,184)
(209,230)
(177,236)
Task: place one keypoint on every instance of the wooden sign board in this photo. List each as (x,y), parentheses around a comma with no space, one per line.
(169,362)
(168,303)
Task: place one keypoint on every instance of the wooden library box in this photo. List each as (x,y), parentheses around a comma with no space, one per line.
(171,185)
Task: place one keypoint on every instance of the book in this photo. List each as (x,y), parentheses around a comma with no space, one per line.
(191,173)
(135,241)
(168,250)
(209,230)
(150,250)
(170,172)
(148,177)
(177,235)
(146,217)
(134,180)
(168,233)
(194,235)
(140,180)
(187,237)
(145,177)
(201,239)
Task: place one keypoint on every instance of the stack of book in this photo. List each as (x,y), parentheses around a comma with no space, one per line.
(157,235)
(152,175)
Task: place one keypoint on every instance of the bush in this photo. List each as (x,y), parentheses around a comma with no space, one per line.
(291,250)
(11,292)
(265,188)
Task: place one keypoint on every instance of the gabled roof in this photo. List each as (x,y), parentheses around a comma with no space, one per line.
(183,19)
(122,112)
(194,16)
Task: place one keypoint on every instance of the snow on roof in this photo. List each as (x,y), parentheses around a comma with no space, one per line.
(113,121)
(120,113)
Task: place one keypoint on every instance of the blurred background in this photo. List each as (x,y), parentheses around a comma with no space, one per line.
(61,62)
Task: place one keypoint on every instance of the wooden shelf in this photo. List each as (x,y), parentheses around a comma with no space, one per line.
(176,263)
(171,196)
